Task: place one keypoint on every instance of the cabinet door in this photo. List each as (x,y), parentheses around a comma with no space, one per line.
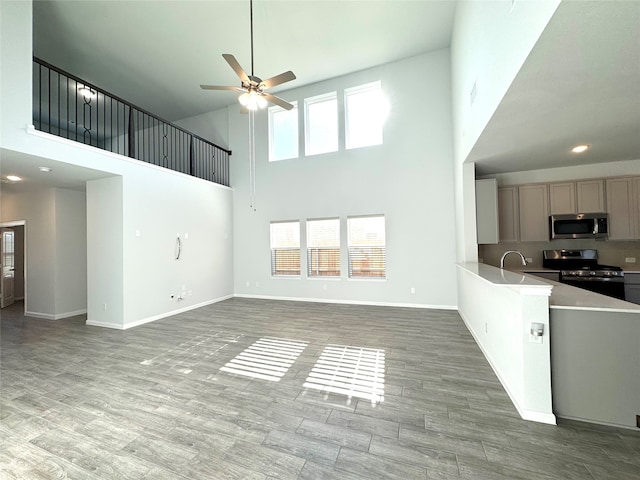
(590,196)
(508,214)
(534,213)
(487,211)
(632,292)
(620,200)
(562,198)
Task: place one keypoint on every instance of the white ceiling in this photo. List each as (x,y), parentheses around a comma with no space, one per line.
(580,84)
(157,53)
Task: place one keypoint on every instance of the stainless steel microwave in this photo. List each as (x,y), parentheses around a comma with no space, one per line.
(581,225)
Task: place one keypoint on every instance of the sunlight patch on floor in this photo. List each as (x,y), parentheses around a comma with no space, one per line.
(268,358)
(351,371)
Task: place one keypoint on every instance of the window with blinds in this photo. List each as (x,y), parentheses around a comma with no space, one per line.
(366,241)
(323,248)
(285,248)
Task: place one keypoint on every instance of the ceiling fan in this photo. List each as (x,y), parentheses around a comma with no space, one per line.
(254,95)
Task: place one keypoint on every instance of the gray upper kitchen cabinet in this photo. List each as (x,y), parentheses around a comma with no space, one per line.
(622,206)
(534,212)
(586,196)
(562,198)
(508,214)
(487,211)
(590,196)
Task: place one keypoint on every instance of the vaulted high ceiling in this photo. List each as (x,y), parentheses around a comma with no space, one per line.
(580,84)
(157,53)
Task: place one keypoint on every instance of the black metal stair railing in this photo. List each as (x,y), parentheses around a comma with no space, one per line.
(67,106)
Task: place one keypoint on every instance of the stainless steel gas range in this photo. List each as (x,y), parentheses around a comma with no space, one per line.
(580,268)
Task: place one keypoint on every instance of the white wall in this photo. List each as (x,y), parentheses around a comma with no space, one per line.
(560,174)
(212,126)
(56,249)
(15,67)
(71,252)
(409,179)
(499,318)
(38,210)
(489,44)
(133,275)
(105,260)
(159,207)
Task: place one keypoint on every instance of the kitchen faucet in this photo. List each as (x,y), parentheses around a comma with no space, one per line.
(524,260)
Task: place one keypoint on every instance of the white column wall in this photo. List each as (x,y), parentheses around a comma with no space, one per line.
(71,252)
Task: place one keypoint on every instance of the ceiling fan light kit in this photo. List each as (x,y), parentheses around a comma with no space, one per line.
(253,88)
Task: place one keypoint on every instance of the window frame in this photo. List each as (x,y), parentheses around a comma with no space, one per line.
(273,254)
(367,87)
(310,101)
(350,256)
(310,249)
(272,111)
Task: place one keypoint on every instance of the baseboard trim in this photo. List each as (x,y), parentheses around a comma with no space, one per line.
(153,318)
(347,302)
(532,415)
(59,316)
(93,323)
(588,422)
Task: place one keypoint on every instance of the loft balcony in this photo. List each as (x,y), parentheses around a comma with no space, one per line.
(71,108)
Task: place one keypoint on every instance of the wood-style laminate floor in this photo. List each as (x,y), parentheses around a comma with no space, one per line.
(152,402)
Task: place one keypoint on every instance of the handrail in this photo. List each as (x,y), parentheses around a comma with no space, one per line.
(114,124)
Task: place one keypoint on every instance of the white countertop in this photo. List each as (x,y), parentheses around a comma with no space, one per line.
(565,296)
(505,278)
(562,296)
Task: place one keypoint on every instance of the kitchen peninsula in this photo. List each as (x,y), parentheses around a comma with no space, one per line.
(585,364)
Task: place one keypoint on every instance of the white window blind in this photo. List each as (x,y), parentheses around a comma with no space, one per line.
(365,110)
(321,124)
(366,241)
(323,248)
(283,133)
(285,248)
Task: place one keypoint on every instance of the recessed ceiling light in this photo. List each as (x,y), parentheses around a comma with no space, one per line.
(44,169)
(580,148)
(13,178)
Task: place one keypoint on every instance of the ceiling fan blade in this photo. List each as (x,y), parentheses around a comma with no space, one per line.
(279,79)
(277,101)
(233,63)
(219,87)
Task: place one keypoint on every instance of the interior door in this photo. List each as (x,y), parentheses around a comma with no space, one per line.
(7,262)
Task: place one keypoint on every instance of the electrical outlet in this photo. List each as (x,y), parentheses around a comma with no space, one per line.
(529,259)
(104,307)
(486,327)
(413,290)
(629,259)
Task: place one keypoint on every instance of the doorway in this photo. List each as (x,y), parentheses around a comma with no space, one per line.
(12,261)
